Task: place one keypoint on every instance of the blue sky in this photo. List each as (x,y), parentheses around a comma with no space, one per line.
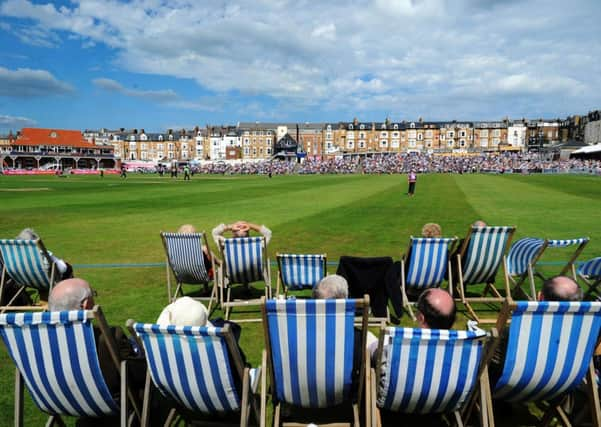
(159,64)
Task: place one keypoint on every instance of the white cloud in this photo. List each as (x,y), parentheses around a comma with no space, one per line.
(14,123)
(27,83)
(167,95)
(414,53)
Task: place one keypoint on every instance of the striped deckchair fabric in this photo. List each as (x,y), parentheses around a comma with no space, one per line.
(185,255)
(549,349)
(427,371)
(243,257)
(185,259)
(426,266)
(487,245)
(55,352)
(244,261)
(521,254)
(191,365)
(25,264)
(300,271)
(590,273)
(310,347)
(525,253)
(479,259)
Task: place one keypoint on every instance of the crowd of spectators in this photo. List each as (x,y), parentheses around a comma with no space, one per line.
(403,163)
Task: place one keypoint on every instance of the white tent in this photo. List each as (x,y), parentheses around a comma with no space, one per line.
(588,149)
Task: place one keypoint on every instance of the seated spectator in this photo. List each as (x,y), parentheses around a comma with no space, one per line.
(431,229)
(76,294)
(206,253)
(64,270)
(436,309)
(331,287)
(240,229)
(184,311)
(558,288)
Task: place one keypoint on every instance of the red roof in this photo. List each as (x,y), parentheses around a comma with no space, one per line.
(62,137)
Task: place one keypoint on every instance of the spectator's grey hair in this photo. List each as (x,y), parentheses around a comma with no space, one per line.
(27,234)
(71,300)
(332,286)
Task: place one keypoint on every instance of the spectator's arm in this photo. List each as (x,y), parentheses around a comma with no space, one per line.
(218,232)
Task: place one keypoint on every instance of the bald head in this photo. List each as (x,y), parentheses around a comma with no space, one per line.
(436,309)
(71,294)
(560,288)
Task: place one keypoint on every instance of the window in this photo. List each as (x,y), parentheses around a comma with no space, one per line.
(269,151)
(170,146)
(428,134)
(246,151)
(383,143)
(462,143)
(483,142)
(361,135)
(329,127)
(361,144)
(412,125)
(450,134)
(383,134)
(428,143)
(143,146)
(246,141)
(450,143)
(412,143)
(361,126)
(396,126)
(462,134)
(395,143)
(420,136)
(328,135)
(350,144)
(350,126)
(496,132)
(395,134)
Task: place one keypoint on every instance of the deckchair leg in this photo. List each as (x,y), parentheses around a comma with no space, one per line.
(357,422)
(169,299)
(123,397)
(263,409)
(146,403)
(593,395)
(18,399)
(171,417)
(276,416)
(244,404)
(458,420)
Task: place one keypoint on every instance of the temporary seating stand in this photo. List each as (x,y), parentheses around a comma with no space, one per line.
(29,264)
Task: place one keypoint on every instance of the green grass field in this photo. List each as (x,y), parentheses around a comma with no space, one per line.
(88,220)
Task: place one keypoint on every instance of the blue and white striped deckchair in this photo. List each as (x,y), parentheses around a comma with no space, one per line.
(55,353)
(479,259)
(427,371)
(191,365)
(244,261)
(310,346)
(30,266)
(300,271)
(426,266)
(590,273)
(549,351)
(520,261)
(185,259)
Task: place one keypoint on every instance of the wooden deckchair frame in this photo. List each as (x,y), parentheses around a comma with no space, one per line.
(267,366)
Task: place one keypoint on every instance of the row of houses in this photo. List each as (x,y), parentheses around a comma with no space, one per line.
(256,140)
